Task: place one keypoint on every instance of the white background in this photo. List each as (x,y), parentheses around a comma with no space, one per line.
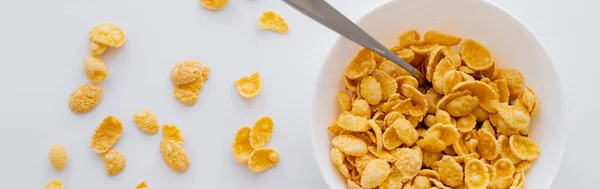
(43,43)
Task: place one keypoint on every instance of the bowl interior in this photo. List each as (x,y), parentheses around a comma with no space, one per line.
(510,42)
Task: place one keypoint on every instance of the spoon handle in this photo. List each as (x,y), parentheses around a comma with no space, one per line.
(322,12)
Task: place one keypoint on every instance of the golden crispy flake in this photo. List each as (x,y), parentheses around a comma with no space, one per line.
(475,55)
(107,34)
(146,121)
(371,90)
(406,131)
(107,134)
(440,76)
(513,117)
(488,98)
(503,91)
(353,123)
(430,120)
(240,147)
(114,162)
(361,161)
(172,132)
(501,126)
(344,100)
(409,162)
(407,80)
(249,86)
(466,69)
(408,38)
(350,84)
(362,64)
(334,128)
(462,105)
(514,79)
(55,184)
(423,48)
(263,159)
(487,147)
(391,140)
(361,108)
(213,4)
(392,69)
(142,185)
(437,37)
(431,144)
(417,98)
(406,54)
(94,69)
(438,184)
(388,84)
(518,182)
(451,173)
(433,60)
(480,114)
(352,184)
(453,55)
(466,158)
(450,79)
(449,97)
(523,147)
(378,133)
(466,123)
(375,172)
(523,166)
(504,174)
(58,156)
(430,158)
(432,99)
(85,98)
(421,182)
(476,174)
(261,132)
(186,72)
(350,144)
(337,158)
(450,150)
(447,133)
(460,146)
(429,173)
(96,48)
(385,155)
(487,127)
(393,180)
(174,155)
(269,21)
(529,100)
(392,117)
(188,93)
(443,117)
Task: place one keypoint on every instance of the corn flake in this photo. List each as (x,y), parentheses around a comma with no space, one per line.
(393,180)
(475,55)
(58,156)
(146,121)
(261,132)
(488,146)
(406,131)
(241,147)
(114,162)
(430,158)
(391,140)
(213,4)
(389,85)
(107,34)
(94,69)
(513,117)
(392,69)
(85,98)
(172,132)
(523,166)
(406,54)
(462,106)
(408,38)
(466,123)
(337,158)
(476,174)
(107,134)
(249,86)
(361,108)
(423,48)
(352,184)
(142,185)
(523,147)
(55,184)
(451,173)
(188,93)
(421,182)
(378,133)
(436,37)
(514,79)
(447,133)
(431,144)
(353,123)
(487,127)
(270,21)
(375,172)
(344,100)
(488,98)
(175,156)
(434,58)
(385,155)
(362,64)
(371,90)
(350,144)
(409,162)
(96,48)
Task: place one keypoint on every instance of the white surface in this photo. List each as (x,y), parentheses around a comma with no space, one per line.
(44,43)
(456,17)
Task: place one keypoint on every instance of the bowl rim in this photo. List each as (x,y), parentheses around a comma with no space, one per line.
(336,44)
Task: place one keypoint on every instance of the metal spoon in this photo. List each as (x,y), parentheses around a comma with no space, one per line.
(322,12)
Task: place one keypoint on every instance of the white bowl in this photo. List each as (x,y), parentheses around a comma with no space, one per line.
(510,42)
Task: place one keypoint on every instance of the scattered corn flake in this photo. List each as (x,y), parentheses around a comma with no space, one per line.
(393,180)
(406,54)
(514,79)
(85,98)
(476,174)
(241,147)
(94,69)
(504,168)
(513,117)
(475,55)
(344,100)
(462,106)
(271,21)
(352,184)
(146,121)
(361,108)
(350,84)
(114,162)
(432,99)
(96,48)
(175,156)
(453,55)
(501,126)
(389,86)
(529,100)
(449,97)
(378,134)
(480,114)
(406,131)
(371,90)
(385,155)
(430,158)
(466,123)
(421,182)
(107,134)
(503,91)
(58,156)
(423,48)
(523,166)
(438,184)
(261,132)
(391,140)
(460,146)
(392,117)
(337,158)
(488,98)
(350,144)
(429,173)
(408,38)
(214,4)
(451,172)
(523,147)
(375,172)
(55,184)
(107,34)
(466,69)
(488,146)
(433,59)
(249,86)
(186,72)
(353,123)
(431,144)
(445,132)
(487,127)
(393,70)
(417,98)
(263,159)
(142,185)
(188,93)
(409,162)
(443,117)
(334,128)
(437,37)
(172,132)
